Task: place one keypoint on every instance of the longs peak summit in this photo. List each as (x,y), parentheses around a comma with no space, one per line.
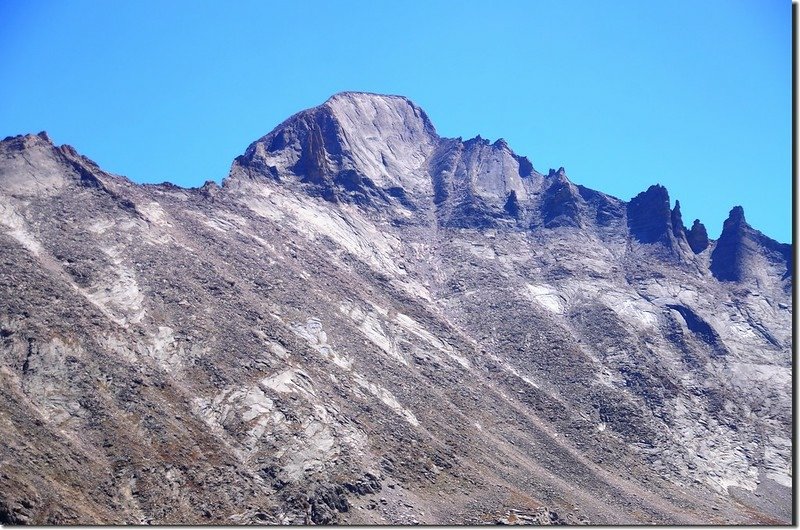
(368,323)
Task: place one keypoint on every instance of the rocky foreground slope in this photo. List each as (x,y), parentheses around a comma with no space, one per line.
(368,323)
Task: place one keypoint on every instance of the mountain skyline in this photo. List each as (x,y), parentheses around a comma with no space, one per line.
(370,323)
(620,103)
(697,224)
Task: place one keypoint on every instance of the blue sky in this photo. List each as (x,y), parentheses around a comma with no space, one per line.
(695,94)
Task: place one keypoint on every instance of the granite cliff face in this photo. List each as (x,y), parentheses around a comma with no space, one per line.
(368,323)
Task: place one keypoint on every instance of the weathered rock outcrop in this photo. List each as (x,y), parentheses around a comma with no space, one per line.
(649,216)
(355,148)
(697,237)
(742,252)
(678,229)
(473,181)
(562,204)
(368,323)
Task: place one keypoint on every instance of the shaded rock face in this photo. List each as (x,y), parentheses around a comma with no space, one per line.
(743,252)
(649,215)
(730,253)
(562,204)
(678,229)
(699,327)
(367,323)
(608,211)
(512,206)
(697,237)
(652,222)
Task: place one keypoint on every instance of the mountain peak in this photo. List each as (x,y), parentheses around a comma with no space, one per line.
(351,95)
(353,145)
(25,141)
(736,215)
(697,237)
(557,173)
(743,251)
(650,216)
(366,305)
(357,110)
(44,136)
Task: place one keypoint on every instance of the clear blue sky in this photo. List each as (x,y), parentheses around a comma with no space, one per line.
(694,94)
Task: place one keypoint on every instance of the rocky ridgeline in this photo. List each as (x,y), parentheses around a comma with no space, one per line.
(368,323)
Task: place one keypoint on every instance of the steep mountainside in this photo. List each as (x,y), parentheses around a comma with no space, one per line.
(368,323)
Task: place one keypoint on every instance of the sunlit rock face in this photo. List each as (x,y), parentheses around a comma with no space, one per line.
(355,147)
(368,323)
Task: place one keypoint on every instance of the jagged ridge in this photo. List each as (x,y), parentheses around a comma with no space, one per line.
(444,336)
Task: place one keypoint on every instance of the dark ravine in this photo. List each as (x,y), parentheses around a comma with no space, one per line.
(368,323)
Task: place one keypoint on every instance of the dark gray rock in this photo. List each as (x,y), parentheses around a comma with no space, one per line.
(608,211)
(650,217)
(697,237)
(512,206)
(678,229)
(742,252)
